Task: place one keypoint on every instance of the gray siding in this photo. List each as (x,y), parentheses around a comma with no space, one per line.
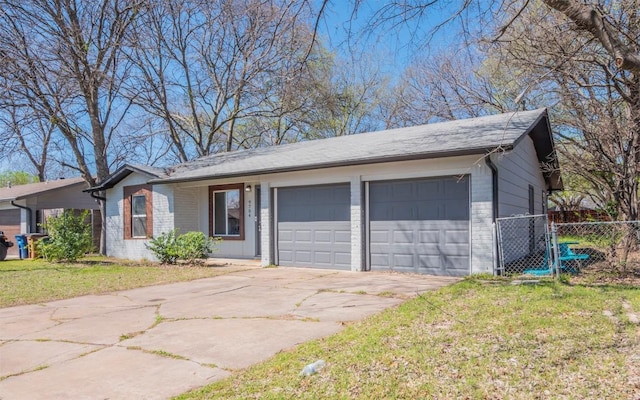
(517,169)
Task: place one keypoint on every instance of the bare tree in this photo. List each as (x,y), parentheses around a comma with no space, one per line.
(23,135)
(599,20)
(346,96)
(582,56)
(63,61)
(207,67)
(597,100)
(441,88)
(612,25)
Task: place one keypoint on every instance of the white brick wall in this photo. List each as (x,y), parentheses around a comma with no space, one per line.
(356,224)
(135,249)
(265,222)
(163,209)
(116,245)
(481,220)
(185,208)
(186,204)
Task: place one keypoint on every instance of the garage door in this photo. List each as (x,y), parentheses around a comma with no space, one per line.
(10,224)
(420,225)
(313,226)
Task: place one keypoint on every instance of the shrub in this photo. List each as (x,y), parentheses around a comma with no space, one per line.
(165,247)
(193,246)
(170,247)
(69,237)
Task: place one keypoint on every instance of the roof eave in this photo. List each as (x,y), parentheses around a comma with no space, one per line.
(545,150)
(345,163)
(118,176)
(25,196)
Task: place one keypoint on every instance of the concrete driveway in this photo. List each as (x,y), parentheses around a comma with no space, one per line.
(160,341)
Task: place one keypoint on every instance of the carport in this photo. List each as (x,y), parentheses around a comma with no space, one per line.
(23,208)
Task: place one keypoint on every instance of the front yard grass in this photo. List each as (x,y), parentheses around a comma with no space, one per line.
(472,340)
(37,281)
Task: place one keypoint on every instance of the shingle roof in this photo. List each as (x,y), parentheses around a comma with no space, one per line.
(31,189)
(460,137)
(126,170)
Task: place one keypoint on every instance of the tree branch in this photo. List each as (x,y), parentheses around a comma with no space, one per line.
(590,19)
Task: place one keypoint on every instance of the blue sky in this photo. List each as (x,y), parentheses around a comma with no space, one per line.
(399,43)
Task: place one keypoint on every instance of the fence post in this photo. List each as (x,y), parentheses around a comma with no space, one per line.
(554,247)
(500,254)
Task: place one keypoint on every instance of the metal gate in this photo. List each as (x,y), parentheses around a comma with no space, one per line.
(524,245)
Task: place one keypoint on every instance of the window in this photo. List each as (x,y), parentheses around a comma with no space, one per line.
(138,222)
(226,216)
(139,216)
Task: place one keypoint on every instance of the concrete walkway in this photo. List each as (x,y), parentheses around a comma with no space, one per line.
(161,341)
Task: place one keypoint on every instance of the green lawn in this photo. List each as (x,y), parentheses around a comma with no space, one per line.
(476,339)
(473,340)
(36,281)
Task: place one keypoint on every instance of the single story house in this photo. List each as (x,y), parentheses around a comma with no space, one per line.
(418,199)
(23,208)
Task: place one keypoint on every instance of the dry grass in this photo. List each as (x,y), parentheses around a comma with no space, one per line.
(36,281)
(600,270)
(473,340)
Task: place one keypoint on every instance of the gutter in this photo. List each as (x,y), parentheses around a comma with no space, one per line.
(29,214)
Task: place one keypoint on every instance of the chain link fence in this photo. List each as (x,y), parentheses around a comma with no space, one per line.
(530,245)
(606,247)
(523,245)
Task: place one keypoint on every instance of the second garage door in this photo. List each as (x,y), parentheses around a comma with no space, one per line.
(313,226)
(420,225)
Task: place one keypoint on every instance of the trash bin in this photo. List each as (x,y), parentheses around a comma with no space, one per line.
(21,241)
(32,238)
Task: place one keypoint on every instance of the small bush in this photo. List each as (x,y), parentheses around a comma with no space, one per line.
(170,247)
(193,246)
(69,237)
(165,247)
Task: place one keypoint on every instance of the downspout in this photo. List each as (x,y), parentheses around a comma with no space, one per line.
(494,184)
(494,190)
(29,214)
(95,196)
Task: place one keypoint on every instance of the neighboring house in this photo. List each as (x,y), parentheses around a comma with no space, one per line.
(24,207)
(418,199)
